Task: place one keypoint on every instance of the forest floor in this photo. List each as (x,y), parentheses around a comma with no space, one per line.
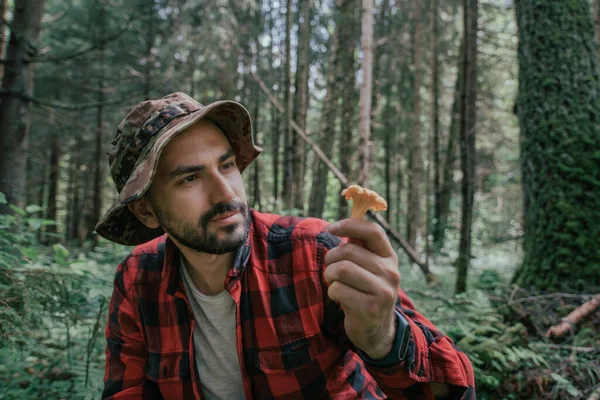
(53,347)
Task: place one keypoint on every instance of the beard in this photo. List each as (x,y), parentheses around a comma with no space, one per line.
(197,237)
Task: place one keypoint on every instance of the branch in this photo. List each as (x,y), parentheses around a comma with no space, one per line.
(570,321)
(548,296)
(95,46)
(449,301)
(565,347)
(412,253)
(62,106)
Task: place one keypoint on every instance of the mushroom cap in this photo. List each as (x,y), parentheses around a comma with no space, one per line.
(356,192)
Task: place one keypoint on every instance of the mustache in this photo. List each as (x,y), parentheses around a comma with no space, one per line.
(223,208)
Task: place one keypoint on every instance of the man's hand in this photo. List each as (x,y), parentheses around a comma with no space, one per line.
(365,282)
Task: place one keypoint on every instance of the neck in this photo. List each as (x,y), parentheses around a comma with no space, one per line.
(208,271)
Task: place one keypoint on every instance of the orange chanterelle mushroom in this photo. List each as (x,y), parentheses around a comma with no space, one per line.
(363,200)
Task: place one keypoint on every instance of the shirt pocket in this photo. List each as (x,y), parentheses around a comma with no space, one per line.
(167,367)
(287,358)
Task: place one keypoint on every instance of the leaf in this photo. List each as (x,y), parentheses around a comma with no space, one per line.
(60,253)
(2,198)
(32,208)
(34,223)
(18,210)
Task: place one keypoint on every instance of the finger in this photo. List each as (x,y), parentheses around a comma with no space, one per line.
(353,275)
(358,255)
(372,234)
(351,299)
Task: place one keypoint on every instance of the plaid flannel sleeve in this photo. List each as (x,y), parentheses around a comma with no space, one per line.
(124,376)
(433,368)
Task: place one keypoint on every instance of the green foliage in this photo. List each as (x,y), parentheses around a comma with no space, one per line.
(52,314)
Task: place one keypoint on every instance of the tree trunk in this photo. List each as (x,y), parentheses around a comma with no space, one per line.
(256,203)
(348,95)
(415,161)
(97,209)
(559,110)
(388,159)
(450,158)
(41,200)
(288,189)
(435,94)
(597,22)
(467,141)
(150,36)
(327,123)
(15,115)
(301,104)
(3,9)
(366,88)
(74,190)
(53,181)
(275,119)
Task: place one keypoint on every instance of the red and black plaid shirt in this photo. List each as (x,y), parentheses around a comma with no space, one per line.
(290,336)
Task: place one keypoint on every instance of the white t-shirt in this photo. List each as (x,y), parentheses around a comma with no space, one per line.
(215,343)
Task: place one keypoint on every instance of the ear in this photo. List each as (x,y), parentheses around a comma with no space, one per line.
(144,211)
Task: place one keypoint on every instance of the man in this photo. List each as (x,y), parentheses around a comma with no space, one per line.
(218,301)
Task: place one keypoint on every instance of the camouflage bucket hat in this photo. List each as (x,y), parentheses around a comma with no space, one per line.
(143,134)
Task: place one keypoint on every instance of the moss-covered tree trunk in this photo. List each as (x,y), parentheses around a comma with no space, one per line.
(559,114)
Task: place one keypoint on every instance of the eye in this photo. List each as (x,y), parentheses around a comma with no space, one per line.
(228,165)
(188,179)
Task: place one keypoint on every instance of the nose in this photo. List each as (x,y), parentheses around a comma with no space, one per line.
(221,190)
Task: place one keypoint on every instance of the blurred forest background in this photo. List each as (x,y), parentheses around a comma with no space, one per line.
(477,120)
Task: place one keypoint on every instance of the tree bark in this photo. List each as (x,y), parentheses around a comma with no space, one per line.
(97,208)
(348,95)
(559,110)
(3,9)
(574,318)
(450,158)
(435,117)
(74,190)
(597,22)
(256,202)
(301,104)
(150,37)
(15,115)
(467,141)
(275,119)
(53,182)
(415,161)
(366,89)
(327,123)
(288,189)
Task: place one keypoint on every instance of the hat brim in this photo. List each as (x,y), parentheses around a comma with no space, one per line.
(119,224)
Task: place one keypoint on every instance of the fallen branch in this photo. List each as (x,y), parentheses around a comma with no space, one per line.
(565,347)
(570,321)
(449,301)
(412,253)
(550,296)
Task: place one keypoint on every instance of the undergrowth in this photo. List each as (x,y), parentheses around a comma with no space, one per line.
(53,312)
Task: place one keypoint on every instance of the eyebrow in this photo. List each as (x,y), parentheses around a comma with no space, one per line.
(187,169)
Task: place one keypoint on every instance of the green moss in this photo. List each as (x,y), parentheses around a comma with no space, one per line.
(559,110)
